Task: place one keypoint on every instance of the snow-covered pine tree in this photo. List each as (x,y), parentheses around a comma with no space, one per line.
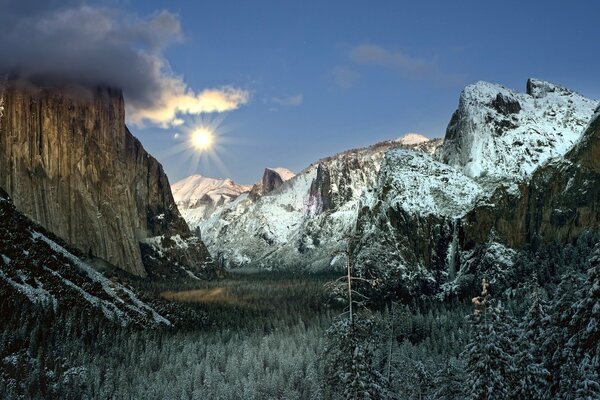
(559,359)
(349,352)
(349,368)
(450,381)
(489,356)
(533,379)
(584,341)
(587,387)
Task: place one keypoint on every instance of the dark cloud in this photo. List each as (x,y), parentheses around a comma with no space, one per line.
(75,43)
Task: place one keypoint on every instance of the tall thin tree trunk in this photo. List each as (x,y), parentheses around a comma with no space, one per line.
(349,268)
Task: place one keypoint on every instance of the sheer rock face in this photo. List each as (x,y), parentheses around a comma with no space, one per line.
(561,201)
(70,164)
(500,134)
(271,180)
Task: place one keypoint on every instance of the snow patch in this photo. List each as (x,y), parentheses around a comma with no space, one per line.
(412,138)
(114,290)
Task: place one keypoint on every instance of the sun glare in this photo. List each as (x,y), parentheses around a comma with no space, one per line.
(202,139)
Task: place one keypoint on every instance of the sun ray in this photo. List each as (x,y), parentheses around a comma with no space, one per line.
(201,143)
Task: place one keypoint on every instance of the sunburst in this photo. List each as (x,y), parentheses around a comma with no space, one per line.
(202,141)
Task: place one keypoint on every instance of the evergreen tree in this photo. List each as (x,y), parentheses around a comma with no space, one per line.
(584,328)
(559,359)
(585,323)
(587,387)
(490,365)
(349,367)
(450,381)
(533,377)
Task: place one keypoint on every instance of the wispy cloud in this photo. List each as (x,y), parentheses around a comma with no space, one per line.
(370,54)
(290,101)
(344,77)
(412,67)
(92,45)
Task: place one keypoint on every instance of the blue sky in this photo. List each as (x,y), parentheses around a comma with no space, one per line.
(323,78)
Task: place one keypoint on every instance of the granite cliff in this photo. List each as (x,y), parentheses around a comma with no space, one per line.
(70,164)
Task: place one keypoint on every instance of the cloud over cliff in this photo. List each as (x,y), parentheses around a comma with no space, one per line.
(75,43)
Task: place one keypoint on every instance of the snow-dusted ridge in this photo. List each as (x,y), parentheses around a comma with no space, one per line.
(284,173)
(500,133)
(303,221)
(419,185)
(197,196)
(44,271)
(119,293)
(412,138)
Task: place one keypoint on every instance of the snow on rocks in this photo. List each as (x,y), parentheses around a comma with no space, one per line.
(36,265)
(412,138)
(420,185)
(196,196)
(119,294)
(499,133)
(302,222)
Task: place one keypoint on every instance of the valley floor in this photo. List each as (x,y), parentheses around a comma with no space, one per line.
(248,336)
(272,336)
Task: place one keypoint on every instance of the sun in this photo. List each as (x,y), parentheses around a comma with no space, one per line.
(202,139)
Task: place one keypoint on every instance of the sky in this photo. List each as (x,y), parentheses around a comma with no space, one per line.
(285,83)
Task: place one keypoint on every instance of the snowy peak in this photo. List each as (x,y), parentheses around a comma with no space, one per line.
(538,89)
(272,179)
(284,173)
(412,138)
(500,133)
(197,196)
(195,190)
(299,223)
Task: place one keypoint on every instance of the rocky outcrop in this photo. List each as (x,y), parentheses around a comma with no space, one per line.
(559,203)
(407,221)
(498,134)
(70,164)
(271,180)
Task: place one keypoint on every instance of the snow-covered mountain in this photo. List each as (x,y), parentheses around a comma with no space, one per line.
(284,173)
(301,222)
(409,203)
(272,179)
(197,196)
(38,267)
(505,183)
(404,231)
(498,133)
(412,138)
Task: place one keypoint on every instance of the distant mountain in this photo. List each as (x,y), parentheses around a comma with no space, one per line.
(412,138)
(39,267)
(421,214)
(70,164)
(271,180)
(298,223)
(197,196)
